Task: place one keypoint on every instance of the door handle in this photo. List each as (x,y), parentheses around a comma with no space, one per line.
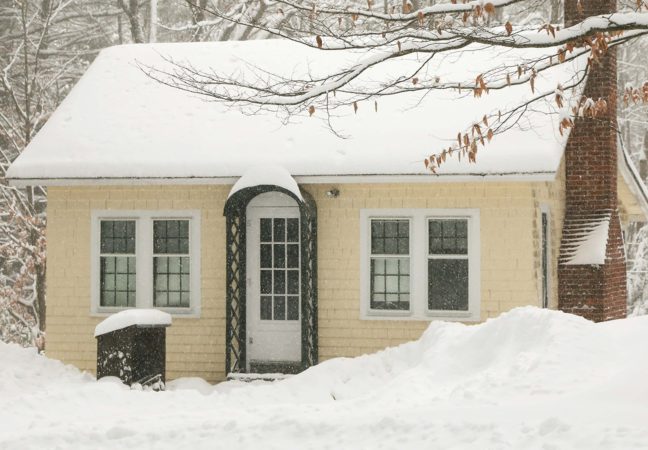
(251,340)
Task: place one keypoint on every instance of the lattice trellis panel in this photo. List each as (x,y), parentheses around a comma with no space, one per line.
(235,308)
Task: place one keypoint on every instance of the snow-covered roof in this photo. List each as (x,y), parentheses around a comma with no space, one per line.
(117,123)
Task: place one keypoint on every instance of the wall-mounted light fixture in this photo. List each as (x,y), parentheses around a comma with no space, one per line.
(333,193)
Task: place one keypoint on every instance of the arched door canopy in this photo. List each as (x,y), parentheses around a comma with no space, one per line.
(259,180)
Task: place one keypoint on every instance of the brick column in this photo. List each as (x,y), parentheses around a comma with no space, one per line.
(596,292)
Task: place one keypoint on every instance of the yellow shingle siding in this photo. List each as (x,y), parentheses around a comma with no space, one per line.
(194,346)
(510,262)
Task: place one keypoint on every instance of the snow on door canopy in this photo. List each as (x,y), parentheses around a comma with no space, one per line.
(268,175)
(183,136)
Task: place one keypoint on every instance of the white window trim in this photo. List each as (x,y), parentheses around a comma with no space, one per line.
(144,258)
(418,264)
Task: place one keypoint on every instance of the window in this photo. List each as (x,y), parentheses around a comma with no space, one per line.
(390,277)
(146,259)
(420,264)
(117,263)
(448,264)
(171,263)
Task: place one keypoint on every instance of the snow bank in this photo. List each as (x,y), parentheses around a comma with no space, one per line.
(531,379)
(128,317)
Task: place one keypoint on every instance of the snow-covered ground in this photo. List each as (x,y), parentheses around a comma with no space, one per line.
(530,379)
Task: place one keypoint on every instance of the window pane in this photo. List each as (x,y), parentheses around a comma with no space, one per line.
(390,236)
(174,299)
(448,284)
(266,308)
(293,308)
(171,280)
(121,299)
(117,281)
(171,236)
(448,236)
(280,308)
(390,283)
(266,230)
(117,237)
(377,246)
(293,230)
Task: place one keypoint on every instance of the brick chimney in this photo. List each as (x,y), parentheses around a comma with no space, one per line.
(591,271)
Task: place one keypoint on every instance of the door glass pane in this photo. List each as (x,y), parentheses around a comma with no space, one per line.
(279,230)
(279,272)
(279,255)
(266,281)
(293,282)
(293,308)
(266,230)
(266,255)
(279,282)
(266,308)
(293,230)
(280,308)
(293,255)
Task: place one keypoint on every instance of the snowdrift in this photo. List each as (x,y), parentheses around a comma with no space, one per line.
(529,379)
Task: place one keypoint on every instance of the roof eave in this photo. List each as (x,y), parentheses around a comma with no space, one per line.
(544,176)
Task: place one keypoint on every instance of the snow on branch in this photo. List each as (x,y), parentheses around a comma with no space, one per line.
(412,40)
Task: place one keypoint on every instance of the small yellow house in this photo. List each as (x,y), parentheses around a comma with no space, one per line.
(276,244)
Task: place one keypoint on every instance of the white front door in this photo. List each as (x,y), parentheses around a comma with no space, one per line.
(273,283)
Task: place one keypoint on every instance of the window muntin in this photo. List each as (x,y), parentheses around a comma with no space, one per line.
(117,263)
(171,263)
(390,264)
(279,269)
(448,264)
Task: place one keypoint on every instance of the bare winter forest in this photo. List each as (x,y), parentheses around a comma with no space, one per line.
(46,45)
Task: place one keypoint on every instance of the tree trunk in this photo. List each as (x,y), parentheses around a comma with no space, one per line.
(132,12)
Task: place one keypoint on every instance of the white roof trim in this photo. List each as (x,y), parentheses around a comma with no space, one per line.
(303,179)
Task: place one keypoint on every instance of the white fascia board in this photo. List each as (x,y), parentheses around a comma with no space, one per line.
(301,179)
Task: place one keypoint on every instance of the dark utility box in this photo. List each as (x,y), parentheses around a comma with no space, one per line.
(135,354)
